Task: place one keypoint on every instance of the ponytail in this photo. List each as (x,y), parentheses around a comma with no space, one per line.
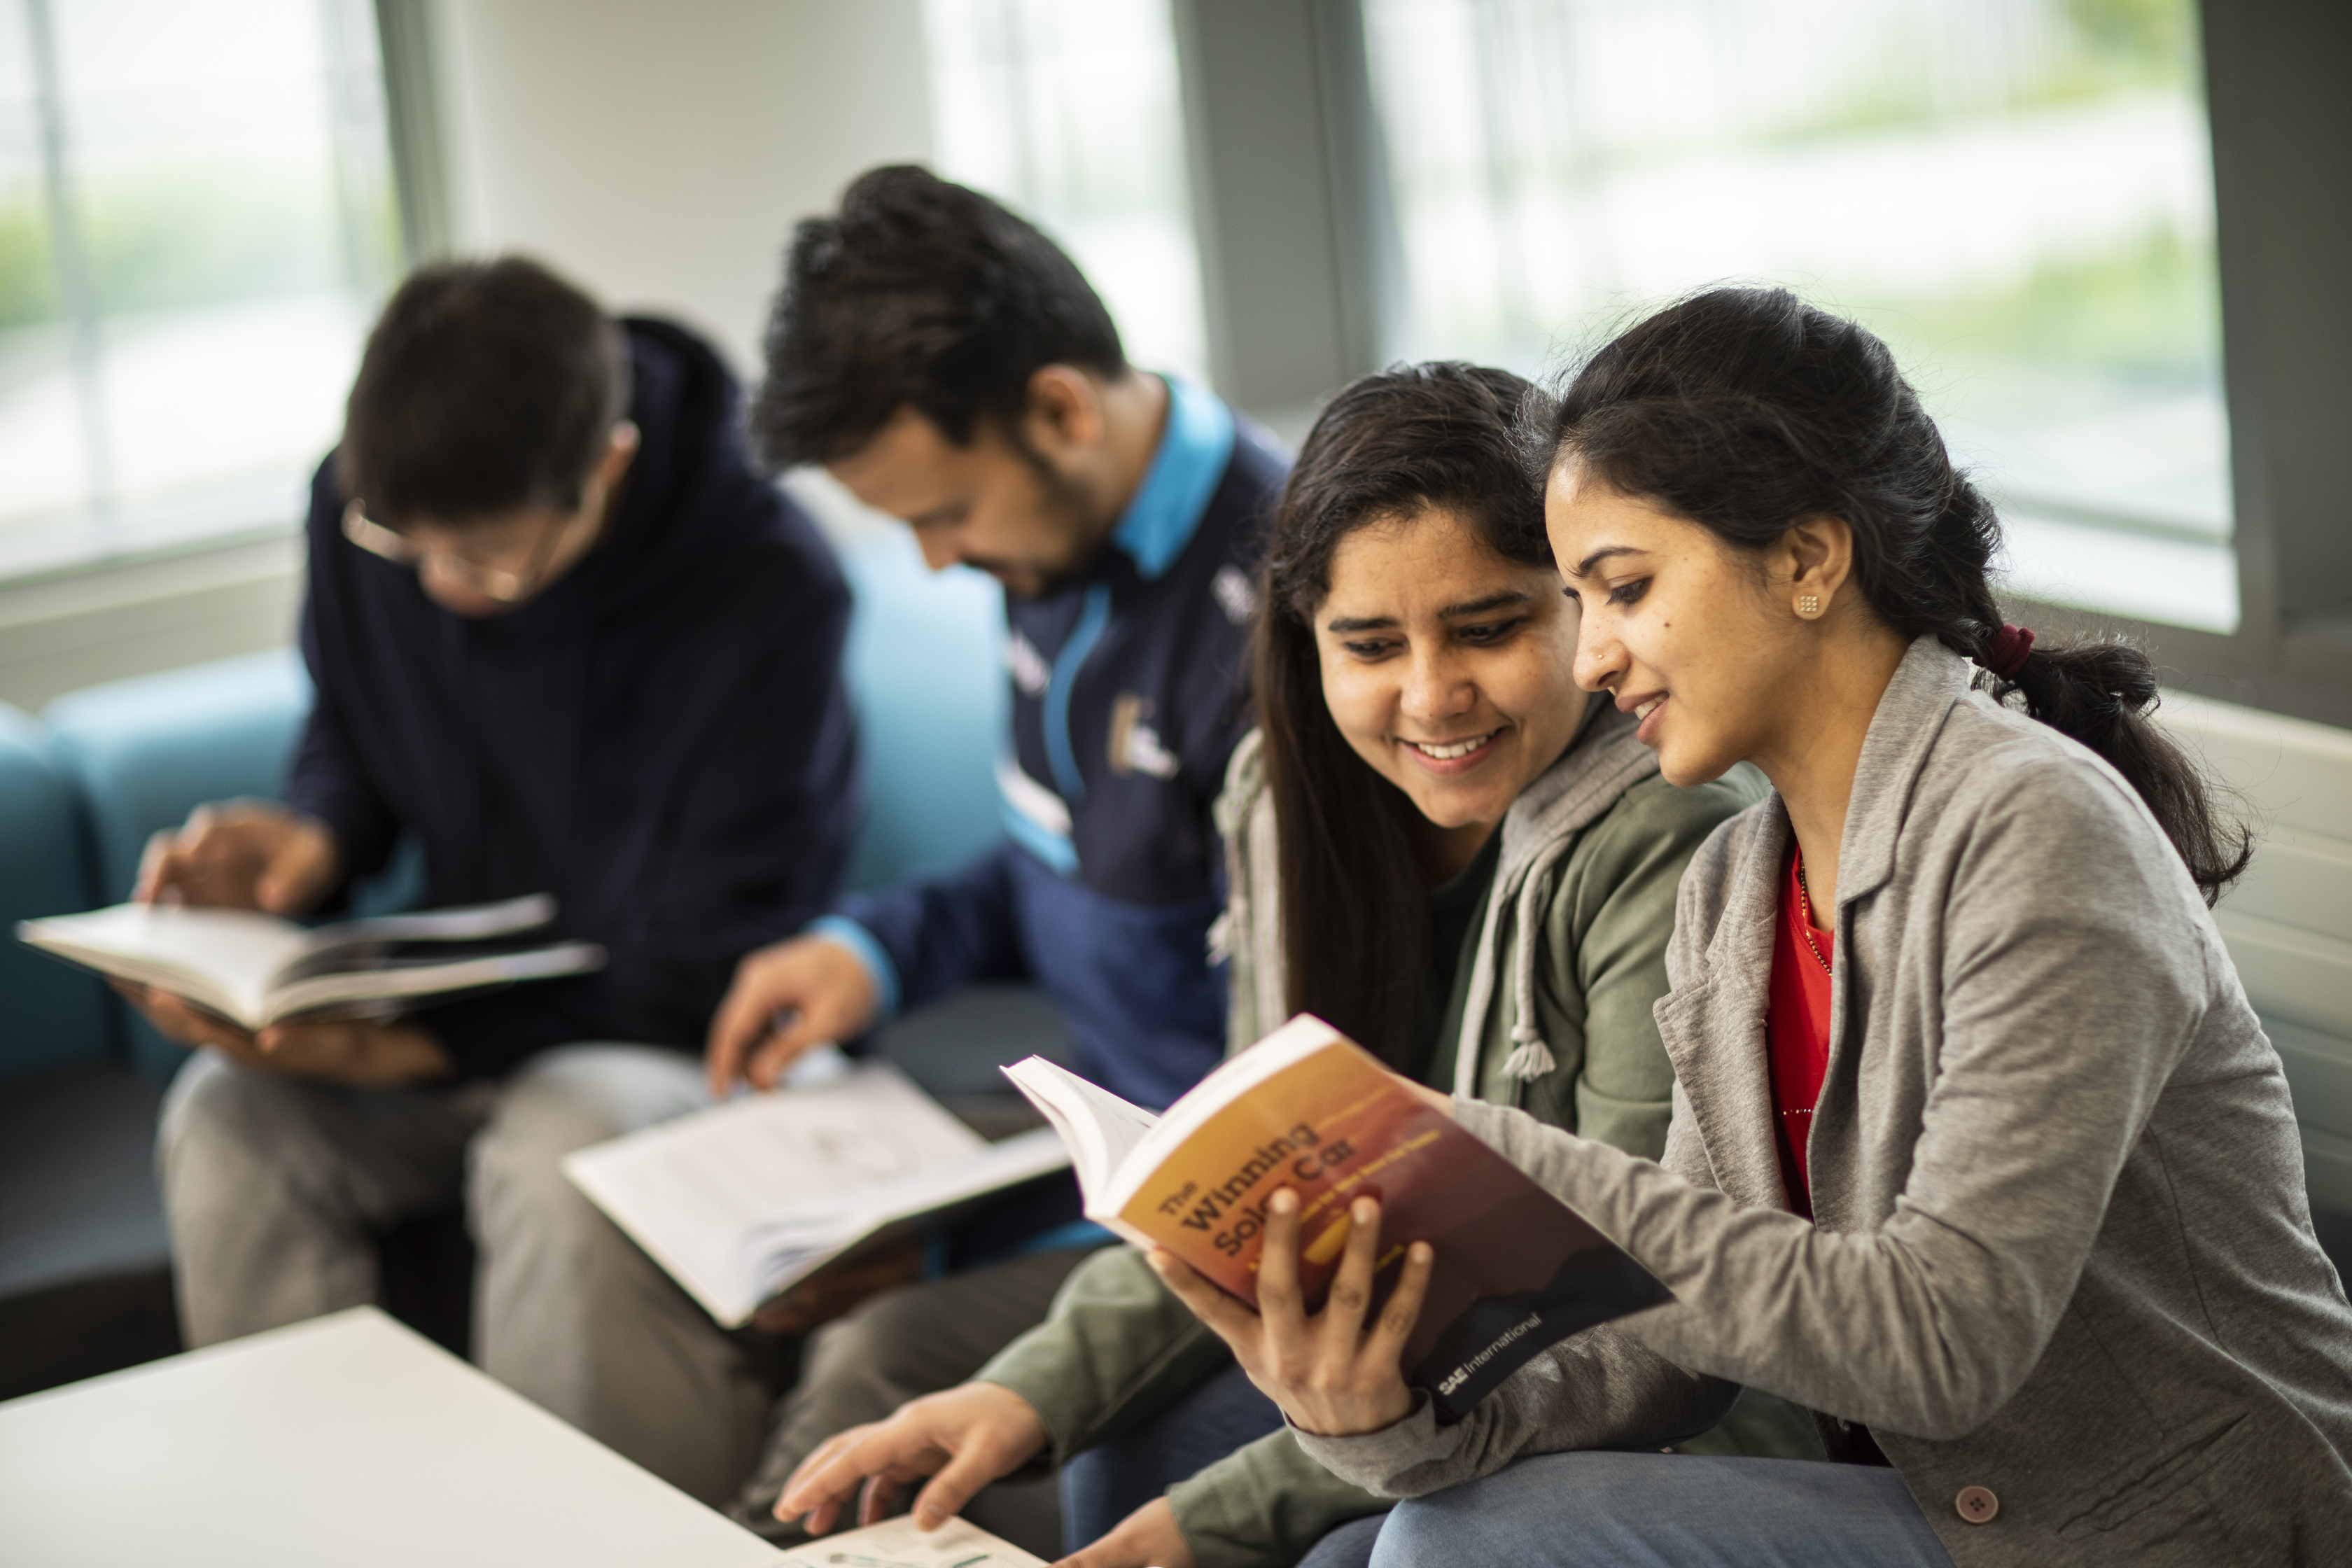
(2102,693)
(1745,410)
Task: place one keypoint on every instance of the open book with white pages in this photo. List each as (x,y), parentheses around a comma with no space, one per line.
(741,1202)
(255,969)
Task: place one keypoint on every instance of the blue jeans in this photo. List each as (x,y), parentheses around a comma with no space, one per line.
(1111,1480)
(1349,1546)
(1646,1510)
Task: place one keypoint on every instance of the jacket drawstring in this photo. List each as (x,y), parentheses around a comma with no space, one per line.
(1530,1059)
(1605,766)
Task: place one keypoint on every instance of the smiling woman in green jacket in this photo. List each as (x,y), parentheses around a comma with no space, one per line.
(1437,843)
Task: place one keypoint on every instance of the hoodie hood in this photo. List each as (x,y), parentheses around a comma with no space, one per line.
(686,509)
(1601,764)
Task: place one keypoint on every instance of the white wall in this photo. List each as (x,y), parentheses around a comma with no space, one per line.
(659,153)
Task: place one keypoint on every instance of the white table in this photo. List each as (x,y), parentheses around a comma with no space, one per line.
(347,1441)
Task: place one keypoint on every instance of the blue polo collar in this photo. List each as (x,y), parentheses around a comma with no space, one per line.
(1193,452)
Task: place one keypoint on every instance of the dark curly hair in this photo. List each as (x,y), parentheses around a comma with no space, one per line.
(1746,410)
(918,294)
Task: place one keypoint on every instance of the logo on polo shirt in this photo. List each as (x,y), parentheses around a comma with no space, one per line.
(1135,745)
(1234,593)
(1031,673)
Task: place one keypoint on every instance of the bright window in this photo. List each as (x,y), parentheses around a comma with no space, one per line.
(197,223)
(1068,112)
(2017,194)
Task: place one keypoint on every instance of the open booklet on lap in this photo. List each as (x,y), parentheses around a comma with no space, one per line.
(743,1201)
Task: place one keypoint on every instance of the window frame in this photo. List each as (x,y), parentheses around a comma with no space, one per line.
(2276,94)
(414,128)
(2280,112)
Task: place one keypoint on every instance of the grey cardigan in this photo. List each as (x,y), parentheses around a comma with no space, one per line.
(2062,1249)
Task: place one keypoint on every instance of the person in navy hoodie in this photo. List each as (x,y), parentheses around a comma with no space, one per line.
(951,367)
(563,637)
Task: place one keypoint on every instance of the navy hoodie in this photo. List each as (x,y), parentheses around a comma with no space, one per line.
(663,740)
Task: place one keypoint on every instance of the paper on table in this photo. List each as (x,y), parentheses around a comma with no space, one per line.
(689,1192)
(896,1543)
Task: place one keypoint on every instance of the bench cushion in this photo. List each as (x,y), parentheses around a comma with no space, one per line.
(930,688)
(56,1016)
(146,752)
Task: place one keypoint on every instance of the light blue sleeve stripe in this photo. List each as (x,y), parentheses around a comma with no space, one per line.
(1059,751)
(1077,1233)
(878,967)
(1049,847)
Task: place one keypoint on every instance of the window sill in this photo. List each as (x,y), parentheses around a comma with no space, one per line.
(2172,581)
(112,620)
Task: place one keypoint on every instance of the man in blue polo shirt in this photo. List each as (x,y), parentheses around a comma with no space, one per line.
(951,367)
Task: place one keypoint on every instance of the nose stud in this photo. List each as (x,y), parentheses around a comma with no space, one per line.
(1809,605)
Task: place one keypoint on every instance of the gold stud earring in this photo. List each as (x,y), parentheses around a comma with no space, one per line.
(1809,605)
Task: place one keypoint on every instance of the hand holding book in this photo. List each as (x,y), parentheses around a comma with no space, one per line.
(1334,1373)
(1289,1138)
(364,1051)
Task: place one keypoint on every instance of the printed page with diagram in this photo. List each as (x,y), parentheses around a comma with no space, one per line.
(740,1201)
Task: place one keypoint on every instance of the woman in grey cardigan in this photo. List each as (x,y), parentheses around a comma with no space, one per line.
(1977,1148)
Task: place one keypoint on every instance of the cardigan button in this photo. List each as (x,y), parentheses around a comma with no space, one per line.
(1976,1504)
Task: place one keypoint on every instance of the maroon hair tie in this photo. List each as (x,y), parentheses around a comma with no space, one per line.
(2005,655)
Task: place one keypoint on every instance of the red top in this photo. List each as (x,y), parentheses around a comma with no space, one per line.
(1797,1029)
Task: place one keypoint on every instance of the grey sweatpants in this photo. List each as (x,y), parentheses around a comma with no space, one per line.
(275,1187)
(903,1344)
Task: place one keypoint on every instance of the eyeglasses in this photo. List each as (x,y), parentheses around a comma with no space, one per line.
(503,584)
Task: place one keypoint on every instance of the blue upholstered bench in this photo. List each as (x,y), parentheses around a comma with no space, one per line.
(79,1235)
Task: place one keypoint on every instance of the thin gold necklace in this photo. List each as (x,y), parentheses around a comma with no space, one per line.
(1805,907)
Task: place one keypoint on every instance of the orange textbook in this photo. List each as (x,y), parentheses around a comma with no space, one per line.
(1308,1109)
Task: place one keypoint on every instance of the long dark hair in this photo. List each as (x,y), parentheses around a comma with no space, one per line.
(1746,410)
(1354,931)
